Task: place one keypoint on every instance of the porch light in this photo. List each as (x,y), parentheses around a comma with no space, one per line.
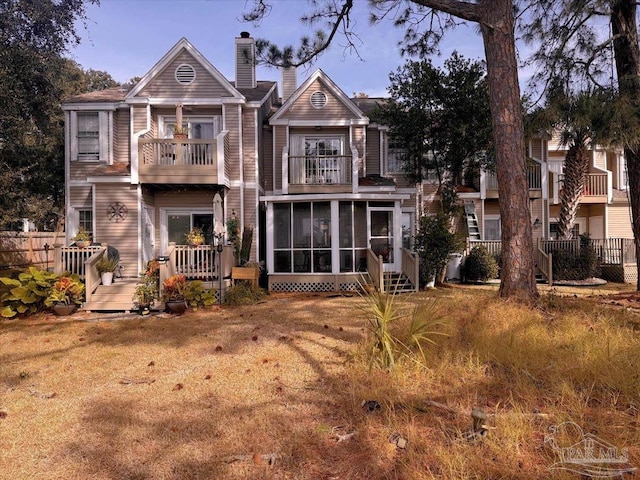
(537,223)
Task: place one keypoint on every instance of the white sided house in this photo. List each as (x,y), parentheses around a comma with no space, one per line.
(306,170)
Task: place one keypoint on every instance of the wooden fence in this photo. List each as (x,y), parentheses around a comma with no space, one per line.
(24,249)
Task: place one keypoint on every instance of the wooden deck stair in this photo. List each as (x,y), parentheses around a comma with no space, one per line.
(397,282)
(115,297)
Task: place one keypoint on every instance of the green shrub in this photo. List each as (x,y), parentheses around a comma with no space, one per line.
(197,296)
(27,293)
(434,242)
(568,265)
(480,265)
(243,293)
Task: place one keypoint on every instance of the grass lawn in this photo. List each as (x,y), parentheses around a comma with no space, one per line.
(220,393)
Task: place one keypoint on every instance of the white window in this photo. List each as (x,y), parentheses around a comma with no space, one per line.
(492,228)
(90,136)
(395,163)
(85,220)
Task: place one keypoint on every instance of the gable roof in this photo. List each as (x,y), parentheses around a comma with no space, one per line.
(322,77)
(183,44)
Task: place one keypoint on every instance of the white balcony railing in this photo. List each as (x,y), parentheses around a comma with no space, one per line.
(534,178)
(320,170)
(159,151)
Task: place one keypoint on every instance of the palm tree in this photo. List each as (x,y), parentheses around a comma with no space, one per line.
(583,119)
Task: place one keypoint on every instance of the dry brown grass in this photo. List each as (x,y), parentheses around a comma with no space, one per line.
(161,397)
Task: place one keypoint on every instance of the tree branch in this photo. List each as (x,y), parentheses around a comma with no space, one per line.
(464,10)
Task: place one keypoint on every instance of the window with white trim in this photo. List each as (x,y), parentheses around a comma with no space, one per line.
(492,228)
(85,220)
(89,131)
(88,136)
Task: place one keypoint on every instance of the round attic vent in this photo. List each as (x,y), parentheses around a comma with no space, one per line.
(185,74)
(318,99)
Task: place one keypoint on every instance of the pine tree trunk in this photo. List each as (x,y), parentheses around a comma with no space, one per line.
(517,269)
(576,168)
(627,54)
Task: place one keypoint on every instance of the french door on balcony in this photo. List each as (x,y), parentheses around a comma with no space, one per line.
(204,128)
(317,160)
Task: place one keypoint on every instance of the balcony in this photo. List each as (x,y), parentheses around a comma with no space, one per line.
(330,173)
(534,179)
(182,161)
(596,188)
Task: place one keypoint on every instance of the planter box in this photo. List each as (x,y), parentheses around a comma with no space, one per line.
(245,273)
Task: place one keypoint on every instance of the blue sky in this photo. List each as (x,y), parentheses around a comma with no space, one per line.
(127,37)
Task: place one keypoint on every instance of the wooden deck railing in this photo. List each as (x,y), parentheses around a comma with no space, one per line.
(493,246)
(169,151)
(534,178)
(375,269)
(545,263)
(411,268)
(335,169)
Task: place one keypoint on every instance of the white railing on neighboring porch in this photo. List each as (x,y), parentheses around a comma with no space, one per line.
(534,178)
(320,170)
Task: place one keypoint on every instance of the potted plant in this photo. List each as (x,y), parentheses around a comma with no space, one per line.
(173,293)
(146,291)
(65,295)
(195,236)
(106,266)
(82,238)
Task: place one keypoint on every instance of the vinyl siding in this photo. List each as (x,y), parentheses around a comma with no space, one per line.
(536,149)
(267,159)
(303,110)
(121,137)
(80,196)
(231,122)
(166,85)
(139,118)
(619,219)
(281,141)
(600,159)
(249,144)
(121,235)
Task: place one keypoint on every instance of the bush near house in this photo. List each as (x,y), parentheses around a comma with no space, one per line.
(571,265)
(434,242)
(480,265)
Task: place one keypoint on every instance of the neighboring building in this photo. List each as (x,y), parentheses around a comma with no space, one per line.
(309,170)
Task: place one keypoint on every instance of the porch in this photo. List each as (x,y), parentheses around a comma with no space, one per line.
(617,255)
(373,273)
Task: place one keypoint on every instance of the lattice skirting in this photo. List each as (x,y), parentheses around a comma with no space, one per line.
(620,274)
(318,283)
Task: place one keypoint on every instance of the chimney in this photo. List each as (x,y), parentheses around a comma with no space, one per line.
(245,61)
(289,82)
